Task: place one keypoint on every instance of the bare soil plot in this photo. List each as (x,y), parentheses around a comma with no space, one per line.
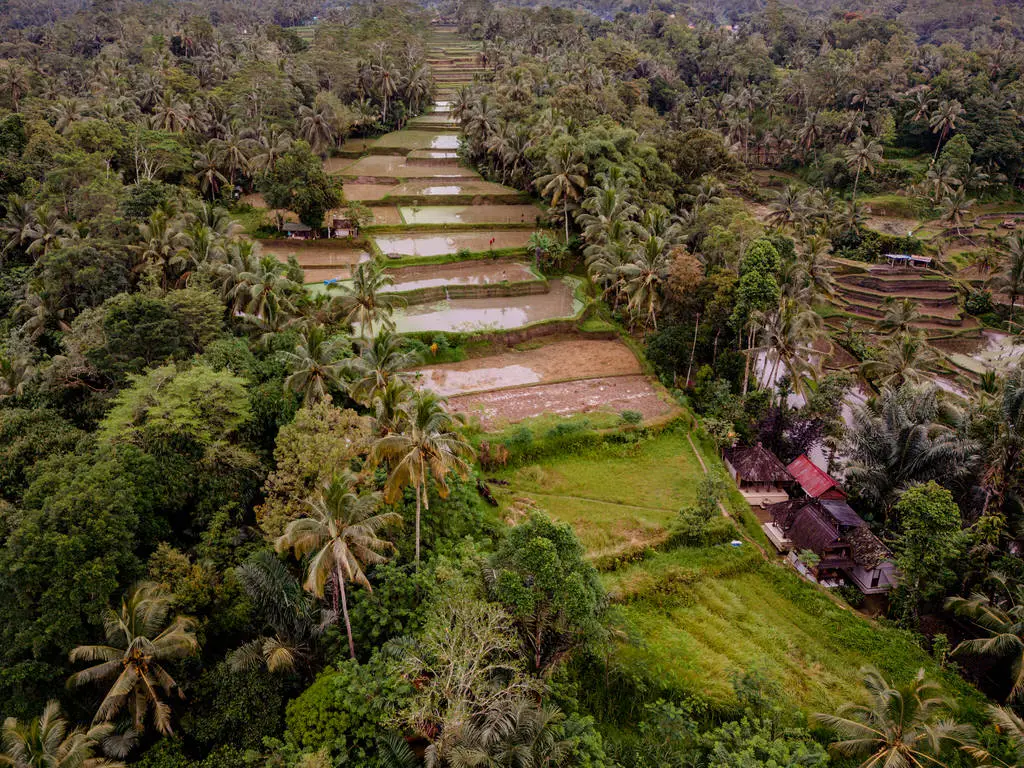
(319,274)
(318,256)
(364,192)
(460,273)
(386,215)
(613,394)
(497,313)
(444,243)
(472,214)
(552,362)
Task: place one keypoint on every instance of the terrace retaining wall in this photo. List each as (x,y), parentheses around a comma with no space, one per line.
(492,290)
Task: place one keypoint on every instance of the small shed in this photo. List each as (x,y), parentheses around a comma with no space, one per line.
(296,230)
(760,476)
(343,227)
(815,482)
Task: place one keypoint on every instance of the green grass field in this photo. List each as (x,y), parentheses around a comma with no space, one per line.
(617,497)
(693,617)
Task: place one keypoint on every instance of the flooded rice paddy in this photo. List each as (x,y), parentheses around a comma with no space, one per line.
(460,273)
(559,360)
(472,214)
(427,244)
(498,313)
(393,167)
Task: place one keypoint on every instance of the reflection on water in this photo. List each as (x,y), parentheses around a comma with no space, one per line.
(462,273)
(448,383)
(494,313)
(424,245)
(445,141)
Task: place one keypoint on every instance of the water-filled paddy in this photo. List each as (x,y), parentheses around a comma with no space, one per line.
(561,360)
(412,139)
(472,214)
(426,244)
(460,273)
(394,167)
(504,312)
(474,187)
(315,256)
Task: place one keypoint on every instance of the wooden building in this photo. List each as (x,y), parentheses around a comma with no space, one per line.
(295,230)
(848,551)
(760,476)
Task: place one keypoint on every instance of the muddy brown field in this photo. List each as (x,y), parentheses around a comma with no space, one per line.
(614,395)
(552,362)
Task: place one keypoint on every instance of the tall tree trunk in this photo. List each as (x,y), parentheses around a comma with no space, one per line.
(339,587)
(746,365)
(565,212)
(856,181)
(693,349)
(418,526)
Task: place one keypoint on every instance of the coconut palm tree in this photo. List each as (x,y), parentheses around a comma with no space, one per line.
(900,315)
(1010,279)
(564,181)
(141,637)
(208,173)
(380,360)
(955,207)
(316,365)
(862,157)
(364,302)
(788,338)
(17,225)
(316,126)
(15,374)
(425,446)
(266,283)
(943,121)
(1001,618)
(904,358)
(900,727)
(269,148)
(788,208)
(644,276)
(48,742)
(814,263)
(341,537)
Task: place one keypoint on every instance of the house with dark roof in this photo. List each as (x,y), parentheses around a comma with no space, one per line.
(297,230)
(760,476)
(815,482)
(846,548)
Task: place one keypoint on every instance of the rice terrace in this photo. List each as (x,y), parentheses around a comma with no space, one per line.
(450,383)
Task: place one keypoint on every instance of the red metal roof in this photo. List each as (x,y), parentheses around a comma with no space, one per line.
(813,480)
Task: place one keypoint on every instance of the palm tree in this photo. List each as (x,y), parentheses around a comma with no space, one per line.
(1010,279)
(645,274)
(380,361)
(903,437)
(342,536)
(943,121)
(15,374)
(18,224)
(813,261)
(425,446)
(955,207)
(518,733)
(288,610)
(48,742)
(266,284)
(208,174)
(564,181)
(862,156)
(1002,620)
(900,315)
(904,358)
(903,727)
(787,208)
(316,126)
(788,337)
(141,637)
(365,302)
(316,364)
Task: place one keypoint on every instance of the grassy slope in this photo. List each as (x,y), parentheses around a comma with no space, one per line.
(695,616)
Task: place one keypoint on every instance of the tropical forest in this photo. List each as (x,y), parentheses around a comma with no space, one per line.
(511,383)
